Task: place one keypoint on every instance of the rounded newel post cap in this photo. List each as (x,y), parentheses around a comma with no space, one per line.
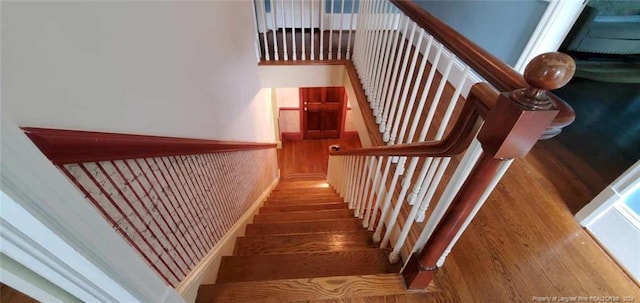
(549,71)
(334,148)
(545,72)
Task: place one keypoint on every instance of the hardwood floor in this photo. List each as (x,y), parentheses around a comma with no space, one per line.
(523,243)
(10,295)
(309,156)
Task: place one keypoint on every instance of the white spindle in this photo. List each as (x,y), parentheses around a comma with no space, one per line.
(284,31)
(379,194)
(373,58)
(405,91)
(361,182)
(501,171)
(302,9)
(255,24)
(353,13)
(382,67)
(293,31)
(382,89)
(396,95)
(354,180)
(341,29)
(331,31)
(312,33)
(366,50)
(373,190)
(322,12)
(409,113)
(366,189)
(465,166)
(387,200)
(396,66)
(265,29)
(275,29)
(349,189)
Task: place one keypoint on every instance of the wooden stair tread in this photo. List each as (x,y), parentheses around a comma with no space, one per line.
(303,189)
(303,265)
(301,207)
(351,224)
(308,289)
(324,200)
(299,216)
(315,242)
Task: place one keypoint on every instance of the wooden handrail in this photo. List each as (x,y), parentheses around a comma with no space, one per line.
(456,142)
(496,72)
(72,146)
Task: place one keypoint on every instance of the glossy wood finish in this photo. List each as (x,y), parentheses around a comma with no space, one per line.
(301,207)
(524,242)
(301,200)
(303,216)
(303,265)
(309,156)
(303,227)
(10,295)
(341,289)
(71,146)
(323,112)
(301,243)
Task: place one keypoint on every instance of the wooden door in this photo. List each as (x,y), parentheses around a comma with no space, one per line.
(322,111)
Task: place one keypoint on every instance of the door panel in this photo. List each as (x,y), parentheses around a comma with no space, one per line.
(323,108)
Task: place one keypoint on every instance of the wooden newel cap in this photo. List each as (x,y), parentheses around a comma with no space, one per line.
(545,72)
(334,148)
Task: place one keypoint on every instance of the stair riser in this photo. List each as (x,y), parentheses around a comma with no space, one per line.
(303,227)
(302,207)
(303,243)
(304,216)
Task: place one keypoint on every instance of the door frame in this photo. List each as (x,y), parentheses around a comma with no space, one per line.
(553,27)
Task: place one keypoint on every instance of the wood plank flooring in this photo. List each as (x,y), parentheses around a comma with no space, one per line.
(525,242)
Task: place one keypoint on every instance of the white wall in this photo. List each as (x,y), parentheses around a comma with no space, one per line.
(134,67)
(288,97)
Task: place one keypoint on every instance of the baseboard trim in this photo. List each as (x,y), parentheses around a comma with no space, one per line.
(188,288)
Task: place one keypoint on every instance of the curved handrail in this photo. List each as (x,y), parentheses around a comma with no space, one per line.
(496,72)
(72,146)
(456,142)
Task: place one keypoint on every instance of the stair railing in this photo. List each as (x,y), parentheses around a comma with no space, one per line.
(428,90)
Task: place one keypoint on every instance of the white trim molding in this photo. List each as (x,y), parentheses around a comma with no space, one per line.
(207,270)
(555,24)
(65,234)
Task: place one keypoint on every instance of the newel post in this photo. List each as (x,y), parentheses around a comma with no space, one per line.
(512,127)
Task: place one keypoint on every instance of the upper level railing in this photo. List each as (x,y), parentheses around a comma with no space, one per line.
(428,90)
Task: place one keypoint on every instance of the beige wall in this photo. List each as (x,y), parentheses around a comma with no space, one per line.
(135,67)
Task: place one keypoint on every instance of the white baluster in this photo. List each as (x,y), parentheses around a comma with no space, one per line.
(275,29)
(387,200)
(331,31)
(341,29)
(381,66)
(265,29)
(501,171)
(347,167)
(312,33)
(387,66)
(357,181)
(405,92)
(408,113)
(366,189)
(465,166)
(366,49)
(396,95)
(374,53)
(364,162)
(352,172)
(379,194)
(373,190)
(429,119)
(378,54)
(304,51)
(353,13)
(293,31)
(322,11)
(396,66)
(284,31)
(425,94)
(363,187)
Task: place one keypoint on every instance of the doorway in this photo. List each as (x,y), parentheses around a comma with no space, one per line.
(323,112)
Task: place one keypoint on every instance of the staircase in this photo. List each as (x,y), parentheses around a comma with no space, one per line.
(304,245)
